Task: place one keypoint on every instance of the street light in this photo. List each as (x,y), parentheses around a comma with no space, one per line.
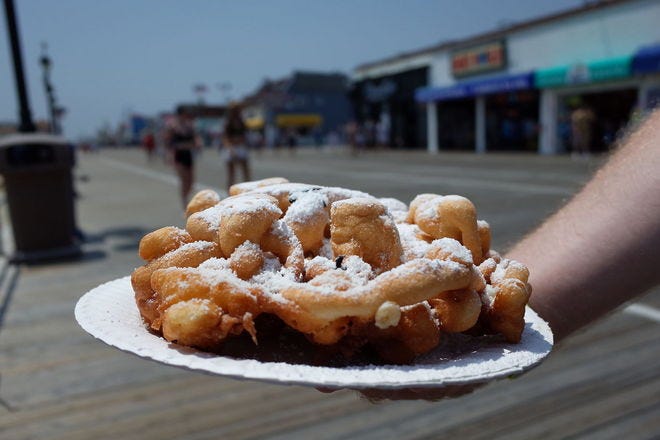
(46,65)
(200,90)
(225,88)
(25,115)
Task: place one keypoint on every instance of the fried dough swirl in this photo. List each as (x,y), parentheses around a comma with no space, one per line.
(340,266)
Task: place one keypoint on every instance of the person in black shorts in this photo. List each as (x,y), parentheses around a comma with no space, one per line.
(235,152)
(181,142)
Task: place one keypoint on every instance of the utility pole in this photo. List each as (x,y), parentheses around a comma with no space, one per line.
(26,125)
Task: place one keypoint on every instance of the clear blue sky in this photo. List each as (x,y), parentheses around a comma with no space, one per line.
(114,57)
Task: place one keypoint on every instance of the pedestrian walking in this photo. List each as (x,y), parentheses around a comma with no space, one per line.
(235,152)
(149,144)
(181,142)
(582,120)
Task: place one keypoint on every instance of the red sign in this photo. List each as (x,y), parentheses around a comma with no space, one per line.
(478,59)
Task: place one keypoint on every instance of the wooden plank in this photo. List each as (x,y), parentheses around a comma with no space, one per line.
(106,410)
(312,413)
(642,424)
(96,374)
(118,399)
(597,414)
(361,423)
(191,415)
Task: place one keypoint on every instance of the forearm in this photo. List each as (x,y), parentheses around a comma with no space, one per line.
(602,248)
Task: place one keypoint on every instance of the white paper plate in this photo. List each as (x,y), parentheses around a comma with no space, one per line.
(108,312)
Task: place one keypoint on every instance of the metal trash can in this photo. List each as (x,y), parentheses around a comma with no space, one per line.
(37,170)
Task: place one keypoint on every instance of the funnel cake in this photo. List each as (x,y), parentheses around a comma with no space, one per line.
(345,269)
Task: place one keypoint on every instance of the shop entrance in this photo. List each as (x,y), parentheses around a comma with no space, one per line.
(456,124)
(609,111)
(386,110)
(512,121)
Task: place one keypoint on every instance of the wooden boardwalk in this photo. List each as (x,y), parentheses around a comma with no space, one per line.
(57,382)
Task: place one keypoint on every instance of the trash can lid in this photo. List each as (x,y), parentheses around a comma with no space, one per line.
(32,138)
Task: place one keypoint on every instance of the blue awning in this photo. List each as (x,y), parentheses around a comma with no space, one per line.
(647,60)
(430,94)
(498,84)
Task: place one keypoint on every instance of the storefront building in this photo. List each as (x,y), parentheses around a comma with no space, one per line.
(515,88)
(304,104)
(385,102)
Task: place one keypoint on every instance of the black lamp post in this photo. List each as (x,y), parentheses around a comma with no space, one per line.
(46,65)
(25,115)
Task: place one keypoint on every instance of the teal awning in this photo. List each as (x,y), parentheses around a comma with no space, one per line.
(552,77)
(601,70)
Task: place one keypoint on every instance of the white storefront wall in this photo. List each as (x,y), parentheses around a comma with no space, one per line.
(618,30)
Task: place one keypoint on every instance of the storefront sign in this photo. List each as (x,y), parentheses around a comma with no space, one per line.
(577,74)
(254,123)
(379,92)
(602,70)
(298,120)
(430,94)
(611,68)
(500,84)
(487,57)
